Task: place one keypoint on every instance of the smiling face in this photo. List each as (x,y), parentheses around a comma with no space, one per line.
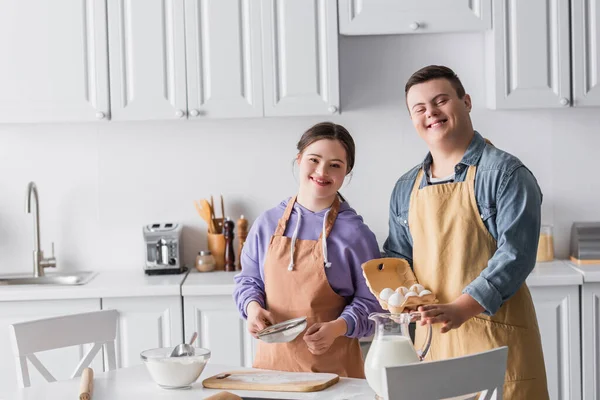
(322,169)
(437,112)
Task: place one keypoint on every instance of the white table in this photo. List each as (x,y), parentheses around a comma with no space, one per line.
(135,383)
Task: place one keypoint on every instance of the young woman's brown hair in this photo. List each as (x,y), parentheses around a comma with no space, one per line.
(331,131)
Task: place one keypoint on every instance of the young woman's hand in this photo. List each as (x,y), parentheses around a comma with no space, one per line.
(258,318)
(320,336)
(451,315)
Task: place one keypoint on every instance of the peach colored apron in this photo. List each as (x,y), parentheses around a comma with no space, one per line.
(451,248)
(304,291)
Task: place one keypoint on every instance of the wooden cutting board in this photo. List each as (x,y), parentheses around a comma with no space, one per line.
(278,381)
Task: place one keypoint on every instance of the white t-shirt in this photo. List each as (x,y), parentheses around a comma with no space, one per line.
(433,181)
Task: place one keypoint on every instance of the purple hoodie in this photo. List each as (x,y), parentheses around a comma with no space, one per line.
(349,244)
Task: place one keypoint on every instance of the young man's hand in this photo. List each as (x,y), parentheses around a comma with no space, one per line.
(320,336)
(258,318)
(451,315)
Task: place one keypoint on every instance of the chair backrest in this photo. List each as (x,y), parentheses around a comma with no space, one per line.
(477,373)
(98,327)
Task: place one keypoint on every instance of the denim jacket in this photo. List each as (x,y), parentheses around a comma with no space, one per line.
(509,201)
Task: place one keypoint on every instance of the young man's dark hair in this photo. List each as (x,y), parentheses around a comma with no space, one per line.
(435,72)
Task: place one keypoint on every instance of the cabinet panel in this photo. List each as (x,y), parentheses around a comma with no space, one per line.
(223,58)
(54,61)
(60,362)
(385,17)
(590,323)
(300,57)
(145,323)
(147,59)
(586,52)
(220,329)
(557,310)
(528,54)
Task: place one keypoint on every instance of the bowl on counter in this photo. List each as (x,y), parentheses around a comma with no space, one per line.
(174,372)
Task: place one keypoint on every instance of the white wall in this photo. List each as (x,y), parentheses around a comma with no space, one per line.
(99,183)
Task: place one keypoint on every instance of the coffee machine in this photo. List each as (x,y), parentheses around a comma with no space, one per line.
(164,252)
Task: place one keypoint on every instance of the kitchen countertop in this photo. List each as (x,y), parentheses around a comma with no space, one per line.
(554,273)
(126,283)
(208,283)
(590,272)
(135,383)
(134,283)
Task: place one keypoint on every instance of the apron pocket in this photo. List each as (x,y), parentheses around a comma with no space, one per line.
(525,358)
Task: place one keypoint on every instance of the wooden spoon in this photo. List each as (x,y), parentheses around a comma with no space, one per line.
(205,212)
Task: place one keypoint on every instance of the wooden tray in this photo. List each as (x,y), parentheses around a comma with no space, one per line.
(279,381)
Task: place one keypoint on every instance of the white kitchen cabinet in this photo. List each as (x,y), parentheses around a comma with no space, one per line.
(386,17)
(530,50)
(54,61)
(557,309)
(590,327)
(528,55)
(60,362)
(147,59)
(220,329)
(585,17)
(590,316)
(223,56)
(145,323)
(300,57)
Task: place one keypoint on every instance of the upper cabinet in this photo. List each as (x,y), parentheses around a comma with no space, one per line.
(585,15)
(147,59)
(54,61)
(529,54)
(196,59)
(300,57)
(130,60)
(223,58)
(385,17)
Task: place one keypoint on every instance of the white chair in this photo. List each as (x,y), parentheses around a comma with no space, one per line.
(98,327)
(481,373)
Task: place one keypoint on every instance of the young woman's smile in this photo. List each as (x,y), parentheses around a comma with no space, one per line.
(322,169)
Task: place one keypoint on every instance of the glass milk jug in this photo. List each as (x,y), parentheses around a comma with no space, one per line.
(391,346)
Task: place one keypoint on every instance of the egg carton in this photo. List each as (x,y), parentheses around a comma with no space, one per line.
(387,273)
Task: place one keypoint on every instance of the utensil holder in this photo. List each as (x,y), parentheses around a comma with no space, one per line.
(216,245)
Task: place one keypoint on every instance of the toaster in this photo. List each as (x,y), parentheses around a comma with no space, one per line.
(164,252)
(585,243)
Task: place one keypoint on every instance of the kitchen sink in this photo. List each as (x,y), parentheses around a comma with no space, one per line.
(61,278)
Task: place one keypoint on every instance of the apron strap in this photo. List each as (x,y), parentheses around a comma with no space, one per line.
(284,218)
(471,173)
(331,216)
(418,180)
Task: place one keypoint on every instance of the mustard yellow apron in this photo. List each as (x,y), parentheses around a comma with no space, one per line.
(451,248)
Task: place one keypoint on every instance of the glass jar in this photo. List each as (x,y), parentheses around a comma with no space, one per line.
(545,250)
(205,262)
(392,346)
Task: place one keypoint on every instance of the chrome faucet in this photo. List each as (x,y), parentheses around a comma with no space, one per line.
(39,262)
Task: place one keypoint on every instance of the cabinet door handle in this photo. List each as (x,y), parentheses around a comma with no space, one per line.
(179,113)
(332,109)
(194,112)
(564,101)
(414,26)
(100,115)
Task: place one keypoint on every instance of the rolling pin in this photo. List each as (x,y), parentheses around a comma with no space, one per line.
(86,384)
